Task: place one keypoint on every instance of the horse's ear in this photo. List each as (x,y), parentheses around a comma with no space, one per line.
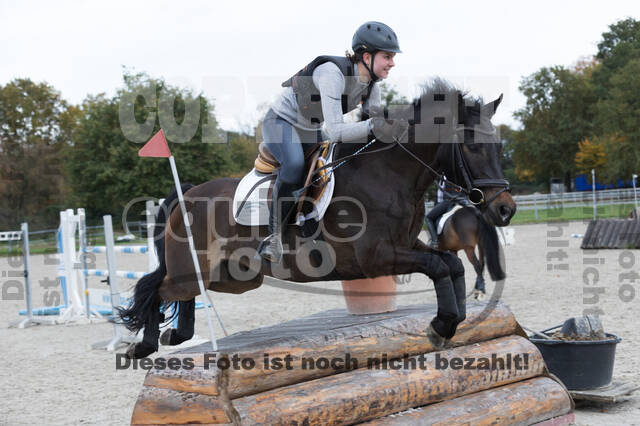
(460,108)
(490,109)
(497,102)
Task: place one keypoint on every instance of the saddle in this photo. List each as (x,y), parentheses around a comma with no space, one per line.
(314,158)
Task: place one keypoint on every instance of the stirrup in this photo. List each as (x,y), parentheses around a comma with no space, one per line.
(270,249)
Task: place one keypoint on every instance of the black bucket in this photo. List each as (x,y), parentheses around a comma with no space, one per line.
(580,364)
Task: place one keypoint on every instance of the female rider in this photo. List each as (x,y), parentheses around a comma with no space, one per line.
(323,91)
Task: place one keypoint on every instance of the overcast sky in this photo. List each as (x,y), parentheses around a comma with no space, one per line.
(239,52)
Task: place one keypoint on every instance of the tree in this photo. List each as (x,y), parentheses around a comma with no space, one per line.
(594,102)
(557,115)
(619,45)
(591,155)
(390,96)
(619,119)
(103,163)
(35,125)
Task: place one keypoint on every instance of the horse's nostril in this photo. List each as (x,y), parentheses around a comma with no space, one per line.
(505,212)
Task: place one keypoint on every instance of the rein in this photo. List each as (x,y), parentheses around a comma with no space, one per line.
(472,190)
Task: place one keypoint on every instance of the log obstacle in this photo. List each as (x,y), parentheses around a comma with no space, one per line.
(612,234)
(346,369)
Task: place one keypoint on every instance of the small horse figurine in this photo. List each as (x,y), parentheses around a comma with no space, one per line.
(370,229)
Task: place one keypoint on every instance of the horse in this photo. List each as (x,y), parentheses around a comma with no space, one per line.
(465,229)
(370,228)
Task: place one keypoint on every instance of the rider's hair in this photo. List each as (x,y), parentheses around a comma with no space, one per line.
(353,57)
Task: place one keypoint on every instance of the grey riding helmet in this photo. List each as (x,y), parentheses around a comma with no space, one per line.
(372,37)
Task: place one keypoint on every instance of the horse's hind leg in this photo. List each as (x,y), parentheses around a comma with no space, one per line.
(186,321)
(149,343)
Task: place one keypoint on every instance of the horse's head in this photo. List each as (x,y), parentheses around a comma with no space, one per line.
(453,132)
(472,160)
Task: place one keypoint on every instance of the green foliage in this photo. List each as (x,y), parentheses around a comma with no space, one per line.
(619,114)
(556,116)
(106,172)
(35,125)
(596,100)
(618,46)
(55,156)
(390,96)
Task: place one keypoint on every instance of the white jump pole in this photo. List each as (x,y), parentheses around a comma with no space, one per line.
(75,308)
(194,256)
(82,234)
(593,190)
(151,218)
(119,338)
(24,236)
(635,197)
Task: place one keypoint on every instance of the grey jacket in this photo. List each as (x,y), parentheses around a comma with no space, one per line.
(332,85)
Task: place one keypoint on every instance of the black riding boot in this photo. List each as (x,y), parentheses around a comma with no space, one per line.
(282,204)
(431,227)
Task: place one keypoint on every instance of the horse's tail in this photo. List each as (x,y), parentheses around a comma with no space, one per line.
(146,290)
(488,239)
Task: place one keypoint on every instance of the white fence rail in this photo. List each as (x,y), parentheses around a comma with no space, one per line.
(584,199)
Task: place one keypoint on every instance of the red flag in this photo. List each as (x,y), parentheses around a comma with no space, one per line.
(156,147)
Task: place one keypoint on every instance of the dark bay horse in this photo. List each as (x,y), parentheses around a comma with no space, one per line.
(369,230)
(466,229)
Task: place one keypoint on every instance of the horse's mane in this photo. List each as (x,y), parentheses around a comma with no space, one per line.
(432,92)
(438,86)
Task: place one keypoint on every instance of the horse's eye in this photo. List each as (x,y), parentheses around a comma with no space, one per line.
(473,147)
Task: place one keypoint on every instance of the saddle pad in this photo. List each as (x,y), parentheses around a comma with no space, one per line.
(255,210)
(443,219)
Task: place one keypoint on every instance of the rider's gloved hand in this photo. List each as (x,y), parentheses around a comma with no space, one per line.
(390,130)
(374,111)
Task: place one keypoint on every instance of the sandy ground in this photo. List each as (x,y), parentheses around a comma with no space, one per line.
(49,374)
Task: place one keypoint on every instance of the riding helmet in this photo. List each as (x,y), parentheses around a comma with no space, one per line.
(373,36)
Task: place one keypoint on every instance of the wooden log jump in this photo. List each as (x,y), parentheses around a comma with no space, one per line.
(338,368)
(612,234)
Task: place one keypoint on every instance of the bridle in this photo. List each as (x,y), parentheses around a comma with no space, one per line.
(473,190)
(473,186)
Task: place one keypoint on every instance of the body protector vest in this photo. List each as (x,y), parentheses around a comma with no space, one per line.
(308,96)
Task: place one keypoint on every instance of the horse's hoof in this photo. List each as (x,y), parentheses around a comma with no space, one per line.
(139,350)
(479,295)
(170,337)
(435,339)
(165,337)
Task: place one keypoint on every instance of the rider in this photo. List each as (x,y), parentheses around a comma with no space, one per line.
(323,91)
(447,197)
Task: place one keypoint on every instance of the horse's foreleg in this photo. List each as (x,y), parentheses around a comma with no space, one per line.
(447,273)
(456,271)
(478,266)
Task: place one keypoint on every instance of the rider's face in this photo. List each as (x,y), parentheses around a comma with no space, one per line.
(382,63)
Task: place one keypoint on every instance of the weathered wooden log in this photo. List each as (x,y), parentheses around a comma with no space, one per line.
(166,406)
(366,394)
(522,403)
(331,336)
